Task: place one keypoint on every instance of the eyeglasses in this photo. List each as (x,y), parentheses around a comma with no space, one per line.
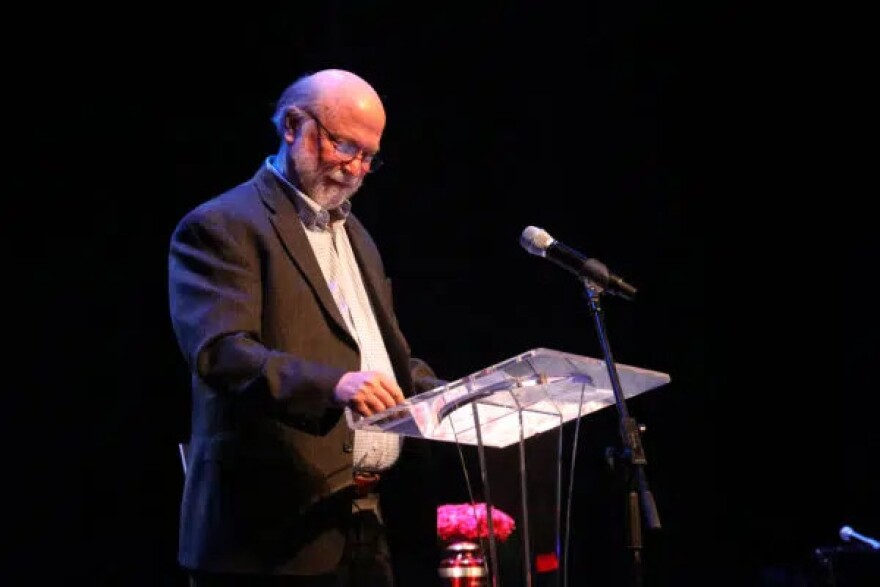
(348,150)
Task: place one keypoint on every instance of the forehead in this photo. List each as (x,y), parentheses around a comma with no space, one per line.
(354,125)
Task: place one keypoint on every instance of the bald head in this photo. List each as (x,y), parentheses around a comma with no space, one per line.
(335,95)
(330,124)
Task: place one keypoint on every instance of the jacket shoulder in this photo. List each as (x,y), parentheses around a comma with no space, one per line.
(235,206)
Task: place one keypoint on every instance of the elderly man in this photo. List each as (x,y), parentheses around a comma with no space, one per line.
(283,312)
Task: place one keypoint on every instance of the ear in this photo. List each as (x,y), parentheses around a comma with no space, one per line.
(293,118)
(291,123)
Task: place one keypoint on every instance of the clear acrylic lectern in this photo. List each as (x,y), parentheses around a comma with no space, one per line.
(542,387)
(508,402)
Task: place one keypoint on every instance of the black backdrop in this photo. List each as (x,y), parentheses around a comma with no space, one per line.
(712,158)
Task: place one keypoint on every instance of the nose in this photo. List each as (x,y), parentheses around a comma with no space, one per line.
(356,166)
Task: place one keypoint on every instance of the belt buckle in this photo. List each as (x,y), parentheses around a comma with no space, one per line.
(364,482)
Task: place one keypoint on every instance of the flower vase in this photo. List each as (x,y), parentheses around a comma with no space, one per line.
(463,565)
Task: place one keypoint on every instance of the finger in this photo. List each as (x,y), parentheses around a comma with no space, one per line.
(392,389)
(397,394)
(373,401)
(361,407)
(376,385)
(384,395)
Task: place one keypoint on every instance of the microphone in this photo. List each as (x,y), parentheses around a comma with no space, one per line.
(537,242)
(846,533)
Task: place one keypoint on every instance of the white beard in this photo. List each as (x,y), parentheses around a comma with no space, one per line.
(322,187)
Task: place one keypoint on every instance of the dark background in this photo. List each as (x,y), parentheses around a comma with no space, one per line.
(717,158)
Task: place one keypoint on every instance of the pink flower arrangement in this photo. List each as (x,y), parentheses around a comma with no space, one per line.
(469,521)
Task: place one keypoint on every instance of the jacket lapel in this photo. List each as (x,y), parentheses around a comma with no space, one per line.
(374,281)
(285,220)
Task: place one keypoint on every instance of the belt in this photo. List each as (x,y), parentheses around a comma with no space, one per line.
(365,497)
(365,482)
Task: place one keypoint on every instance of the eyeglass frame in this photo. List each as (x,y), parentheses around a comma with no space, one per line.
(371,162)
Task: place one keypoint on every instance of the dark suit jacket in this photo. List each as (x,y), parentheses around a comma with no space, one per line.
(269,476)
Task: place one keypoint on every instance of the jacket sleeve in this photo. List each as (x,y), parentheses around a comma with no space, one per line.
(215,296)
(423,376)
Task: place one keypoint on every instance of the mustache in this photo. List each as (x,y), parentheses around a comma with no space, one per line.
(343,178)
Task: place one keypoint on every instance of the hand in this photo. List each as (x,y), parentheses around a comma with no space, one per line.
(367,392)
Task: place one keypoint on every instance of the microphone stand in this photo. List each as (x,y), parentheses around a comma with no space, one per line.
(639,499)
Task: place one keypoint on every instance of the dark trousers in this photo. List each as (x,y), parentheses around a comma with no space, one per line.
(365,563)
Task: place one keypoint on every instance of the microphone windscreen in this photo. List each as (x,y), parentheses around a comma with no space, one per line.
(535,240)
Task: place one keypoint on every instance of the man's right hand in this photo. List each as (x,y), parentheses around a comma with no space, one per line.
(367,392)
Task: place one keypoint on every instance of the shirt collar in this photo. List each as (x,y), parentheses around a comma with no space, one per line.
(313,216)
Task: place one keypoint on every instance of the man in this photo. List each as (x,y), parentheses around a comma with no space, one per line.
(283,312)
